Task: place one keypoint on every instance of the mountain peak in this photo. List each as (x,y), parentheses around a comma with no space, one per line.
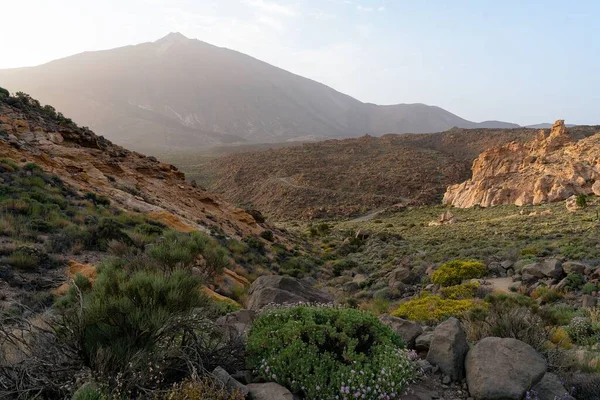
(173,37)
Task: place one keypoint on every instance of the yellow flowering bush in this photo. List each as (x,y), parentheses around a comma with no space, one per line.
(454,272)
(428,307)
(459,292)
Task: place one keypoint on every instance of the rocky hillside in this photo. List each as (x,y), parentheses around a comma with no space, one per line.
(352,176)
(191,93)
(90,163)
(551,167)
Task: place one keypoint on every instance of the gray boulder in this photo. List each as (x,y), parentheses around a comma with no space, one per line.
(550,388)
(574,267)
(423,341)
(503,369)
(588,301)
(229,382)
(551,268)
(237,323)
(407,330)
(448,348)
(269,391)
(282,290)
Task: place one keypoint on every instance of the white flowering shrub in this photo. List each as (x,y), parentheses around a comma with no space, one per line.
(330,353)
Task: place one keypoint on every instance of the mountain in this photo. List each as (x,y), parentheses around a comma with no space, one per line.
(551,167)
(180,92)
(546,125)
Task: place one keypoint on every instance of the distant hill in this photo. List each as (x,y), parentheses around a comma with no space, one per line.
(546,125)
(180,92)
(349,177)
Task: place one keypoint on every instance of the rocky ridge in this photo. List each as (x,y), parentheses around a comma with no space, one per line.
(551,167)
(129,179)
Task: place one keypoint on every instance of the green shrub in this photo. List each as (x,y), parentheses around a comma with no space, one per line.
(454,272)
(582,331)
(4,92)
(581,200)
(430,308)
(589,288)
(26,258)
(127,311)
(546,294)
(329,353)
(343,265)
(88,392)
(561,314)
(267,235)
(574,281)
(203,389)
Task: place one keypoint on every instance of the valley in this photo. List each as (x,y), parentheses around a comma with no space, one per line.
(284,241)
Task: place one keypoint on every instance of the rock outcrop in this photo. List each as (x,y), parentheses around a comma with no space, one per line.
(552,167)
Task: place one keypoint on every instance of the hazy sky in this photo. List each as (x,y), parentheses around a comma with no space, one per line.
(519,61)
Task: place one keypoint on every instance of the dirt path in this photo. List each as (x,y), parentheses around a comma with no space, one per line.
(501,284)
(369,216)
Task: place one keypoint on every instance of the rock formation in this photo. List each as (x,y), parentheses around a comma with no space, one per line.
(548,168)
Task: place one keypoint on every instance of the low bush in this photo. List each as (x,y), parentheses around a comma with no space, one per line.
(463,291)
(454,272)
(546,294)
(430,308)
(581,330)
(329,353)
(202,389)
(343,265)
(589,288)
(574,281)
(24,258)
(267,235)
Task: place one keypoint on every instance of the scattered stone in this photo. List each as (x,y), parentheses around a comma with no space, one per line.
(229,382)
(503,369)
(507,264)
(283,290)
(401,274)
(550,388)
(573,267)
(363,234)
(448,348)
(588,301)
(269,391)
(407,330)
(425,366)
(237,323)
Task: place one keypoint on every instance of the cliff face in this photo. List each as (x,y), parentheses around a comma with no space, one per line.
(551,167)
(132,181)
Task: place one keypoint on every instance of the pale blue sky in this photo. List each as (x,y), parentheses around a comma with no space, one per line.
(518,61)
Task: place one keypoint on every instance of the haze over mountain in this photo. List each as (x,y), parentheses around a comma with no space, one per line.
(179,92)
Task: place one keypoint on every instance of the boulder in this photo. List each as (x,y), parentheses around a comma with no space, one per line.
(448,348)
(574,267)
(588,301)
(229,382)
(283,290)
(550,388)
(571,204)
(407,330)
(551,268)
(502,369)
(401,274)
(237,323)
(423,341)
(269,391)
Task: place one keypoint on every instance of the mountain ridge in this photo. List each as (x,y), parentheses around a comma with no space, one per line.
(180,92)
